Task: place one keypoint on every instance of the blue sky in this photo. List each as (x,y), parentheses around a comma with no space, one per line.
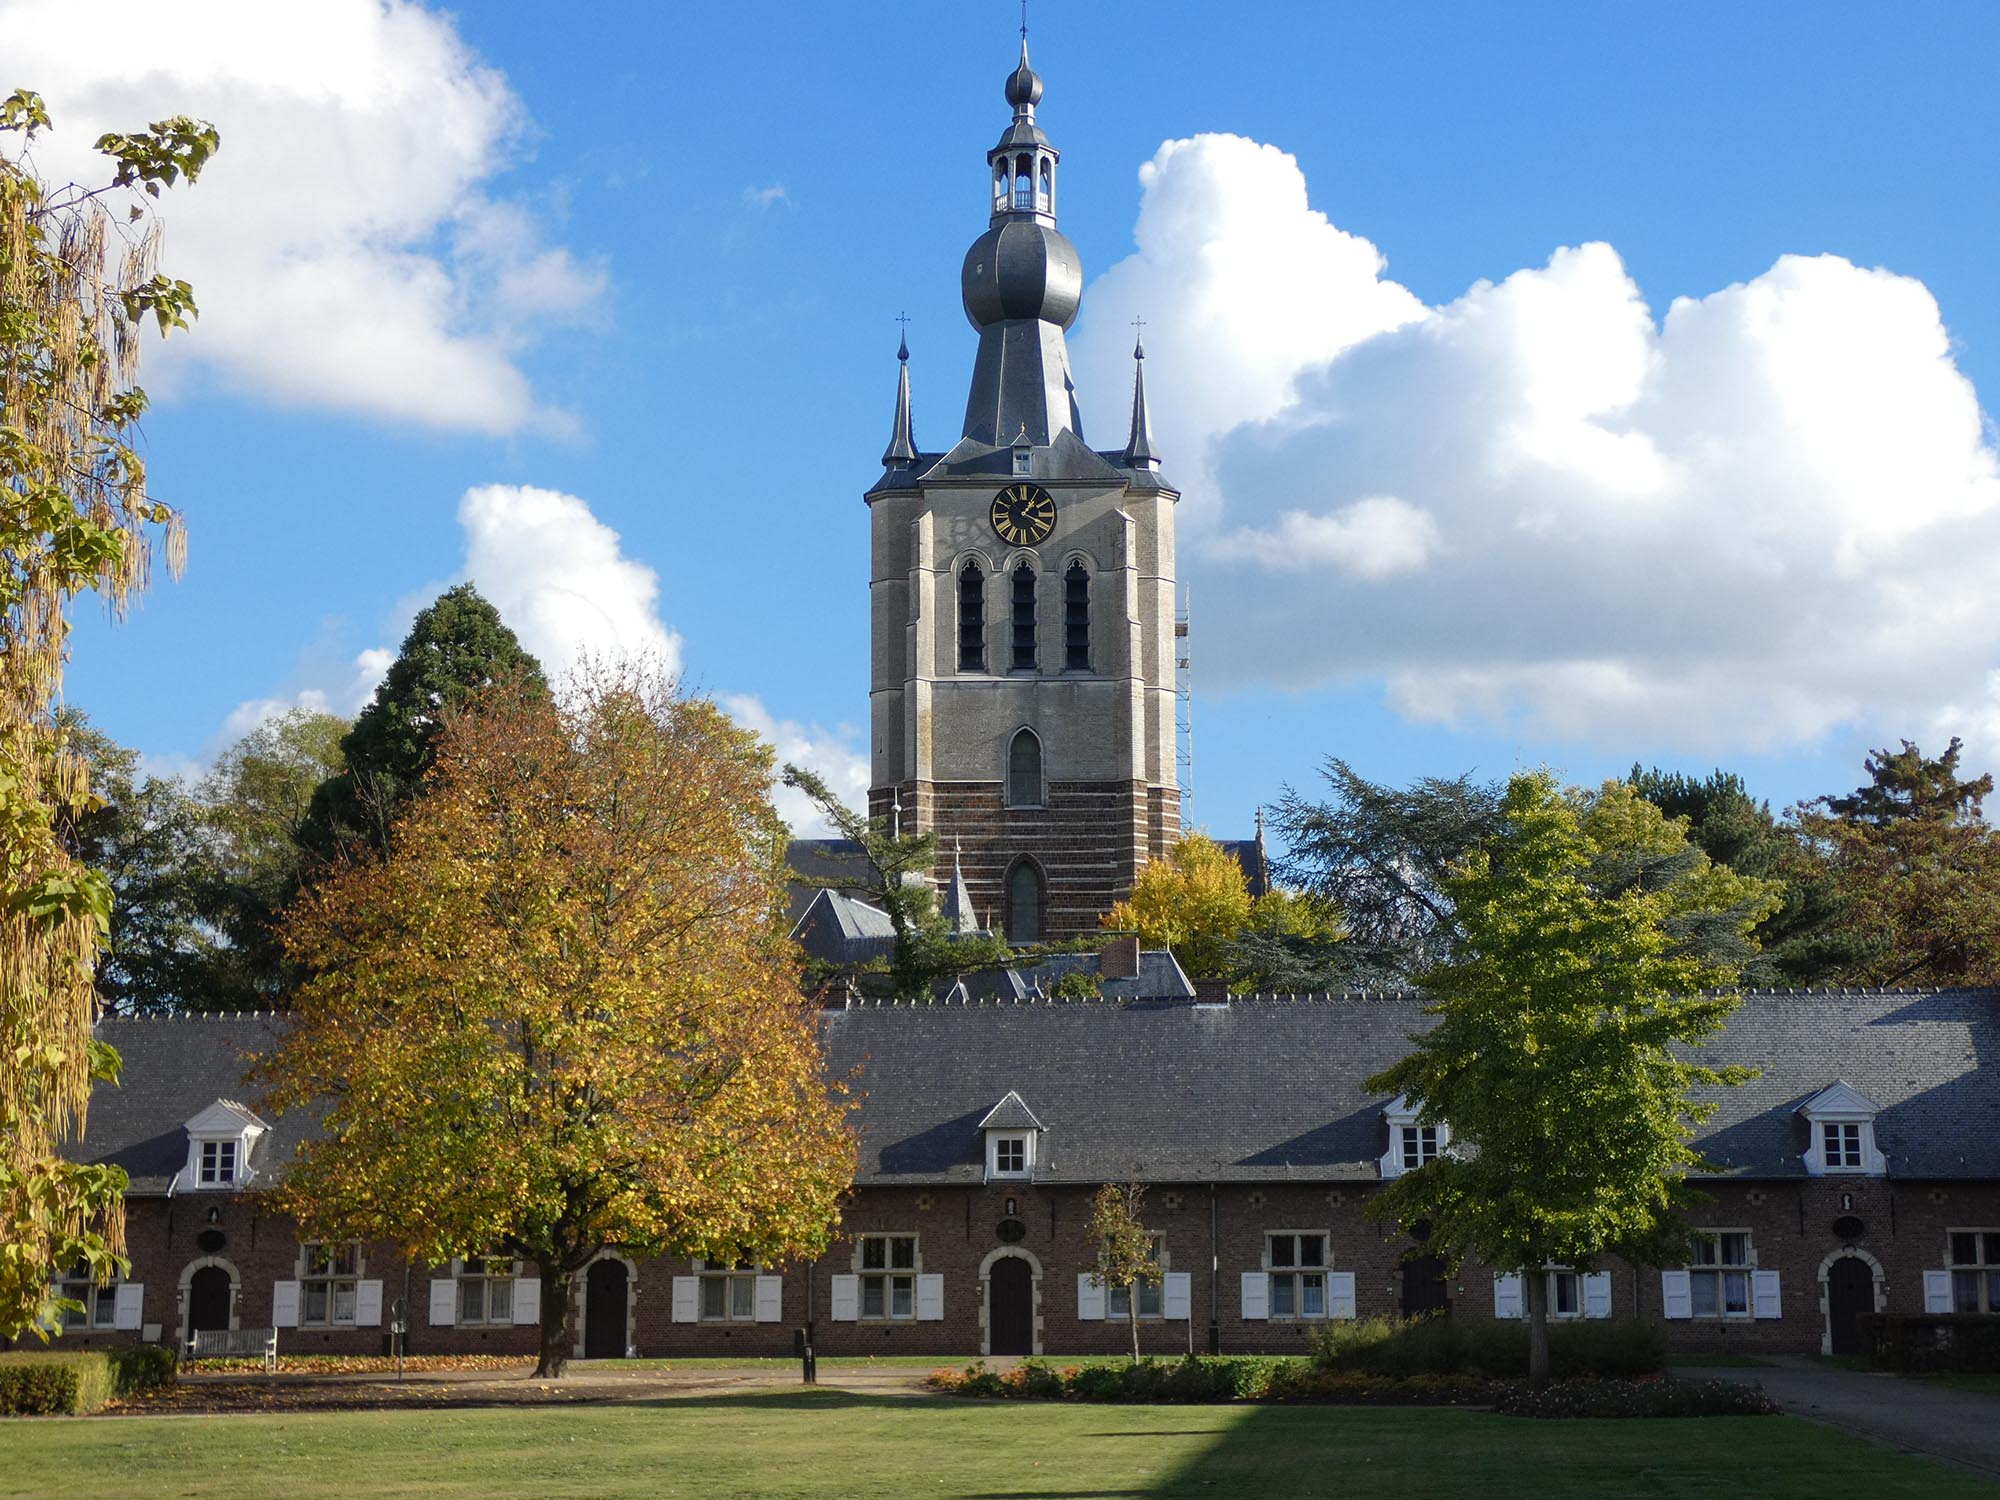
(629,275)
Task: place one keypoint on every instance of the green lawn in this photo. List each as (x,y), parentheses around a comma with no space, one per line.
(1963,1380)
(812,1444)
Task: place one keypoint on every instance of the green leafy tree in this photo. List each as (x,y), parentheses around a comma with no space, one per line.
(458,646)
(559,1015)
(76,518)
(897,868)
(1557,1055)
(1122,1245)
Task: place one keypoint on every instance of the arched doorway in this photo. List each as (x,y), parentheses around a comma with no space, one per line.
(1010,1306)
(1424,1288)
(605,1293)
(209,1296)
(1850,1292)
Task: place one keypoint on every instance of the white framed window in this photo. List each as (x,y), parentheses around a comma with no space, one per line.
(728,1290)
(1412,1144)
(1975,1270)
(329,1281)
(217,1164)
(1565,1293)
(485,1289)
(888,1265)
(1296,1263)
(99,1304)
(1840,1121)
(1719,1273)
(1418,1144)
(1009,1153)
(1841,1144)
(1118,1299)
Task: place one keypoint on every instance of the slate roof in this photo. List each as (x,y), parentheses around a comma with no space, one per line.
(1011,1113)
(814,864)
(839,928)
(176,1067)
(1266,1089)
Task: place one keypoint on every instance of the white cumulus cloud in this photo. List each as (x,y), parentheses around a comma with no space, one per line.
(1770,515)
(833,753)
(350,245)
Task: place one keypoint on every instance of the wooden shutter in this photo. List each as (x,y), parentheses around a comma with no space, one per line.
(687,1299)
(1676,1294)
(1256,1295)
(846,1303)
(367,1304)
(527,1300)
(930,1298)
(126,1309)
(1340,1294)
(1089,1298)
(1507,1295)
(285,1304)
(770,1298)
(1177,1295)
(444,1303)
(1597,1295)
(1764,1299)
(1937,1291)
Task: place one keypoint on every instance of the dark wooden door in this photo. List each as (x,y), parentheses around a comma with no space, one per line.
(208,1299)
(1424,1288)
(1010,1306)
(604,1310)
(1850,1292)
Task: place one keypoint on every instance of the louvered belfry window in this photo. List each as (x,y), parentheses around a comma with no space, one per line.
(1076,618)
(971,618)
(1024,619)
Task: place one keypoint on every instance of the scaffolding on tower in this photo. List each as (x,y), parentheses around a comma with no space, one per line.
(1184,708)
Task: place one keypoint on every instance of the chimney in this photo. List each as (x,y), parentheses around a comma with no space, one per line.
(1120,959)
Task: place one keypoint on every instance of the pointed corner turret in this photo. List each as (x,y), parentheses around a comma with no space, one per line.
(959,916)
(1139,452)
(902,449)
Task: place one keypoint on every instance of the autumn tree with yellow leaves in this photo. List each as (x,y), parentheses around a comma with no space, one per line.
(77,284)
(560,1013)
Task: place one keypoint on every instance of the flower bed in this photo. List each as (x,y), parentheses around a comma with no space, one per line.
(1638,1398)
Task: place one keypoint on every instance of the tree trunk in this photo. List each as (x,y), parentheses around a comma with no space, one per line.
(1536,1284)
(1133,1309)
(554,1352)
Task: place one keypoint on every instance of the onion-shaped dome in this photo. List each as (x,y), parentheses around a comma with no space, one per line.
(1022,268)
(1024,84)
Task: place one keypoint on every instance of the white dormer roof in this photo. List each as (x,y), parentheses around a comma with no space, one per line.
(1011,1113)
(1839,1100)
(226,1117)
(224,1120)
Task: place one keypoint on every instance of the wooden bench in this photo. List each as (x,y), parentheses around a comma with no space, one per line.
(234,1343)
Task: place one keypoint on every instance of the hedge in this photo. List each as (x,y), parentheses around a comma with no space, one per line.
(1437,1345)
(48,1383)
(1921,1342)
(1637,1398)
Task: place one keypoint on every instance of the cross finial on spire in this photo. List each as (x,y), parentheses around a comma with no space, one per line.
(1024,20)
(903,345)
(1138,338)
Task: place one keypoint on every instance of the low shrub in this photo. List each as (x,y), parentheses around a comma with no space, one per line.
(1353,1388)
(1920,1343)
(140,1367)
(1439,1345)
(50,1384)
(1636,1398)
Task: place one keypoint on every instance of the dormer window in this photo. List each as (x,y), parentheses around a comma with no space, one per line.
(218,1164)
(1010,1154)
(1840,1125)
(1010,1131)
(1412,1144)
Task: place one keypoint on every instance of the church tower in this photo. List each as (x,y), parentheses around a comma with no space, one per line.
(1022,596)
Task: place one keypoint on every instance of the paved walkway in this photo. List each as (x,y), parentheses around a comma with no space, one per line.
(1912,1416)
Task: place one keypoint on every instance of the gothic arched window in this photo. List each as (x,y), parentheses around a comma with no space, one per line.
(1024,618)
(971,618)
(1076,618)
(1026,893)
(1024,769)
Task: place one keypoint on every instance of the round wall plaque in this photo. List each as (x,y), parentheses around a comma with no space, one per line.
(211,1240)
(1011,1231)
(1849,1228)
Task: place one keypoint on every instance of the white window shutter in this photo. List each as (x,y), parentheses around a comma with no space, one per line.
(127,1309)
(1507,1295)
(1256,1295)
(1676,1294)
(285,1304)
(1177,1296)
(444,1303)
(1089,1298)
(770,1299)
(687,1299)
(1340,1294)
(367,1304)
(930,1298)
(1937,1291)
(1597,1295)
(1764,1299)
(527,1300)
(846,1306)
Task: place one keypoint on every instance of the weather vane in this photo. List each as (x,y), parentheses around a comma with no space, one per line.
(1024,20)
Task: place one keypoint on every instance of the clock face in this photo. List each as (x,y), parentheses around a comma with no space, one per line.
(1024,514)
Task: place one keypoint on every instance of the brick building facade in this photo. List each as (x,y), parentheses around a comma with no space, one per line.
(1859,1171)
